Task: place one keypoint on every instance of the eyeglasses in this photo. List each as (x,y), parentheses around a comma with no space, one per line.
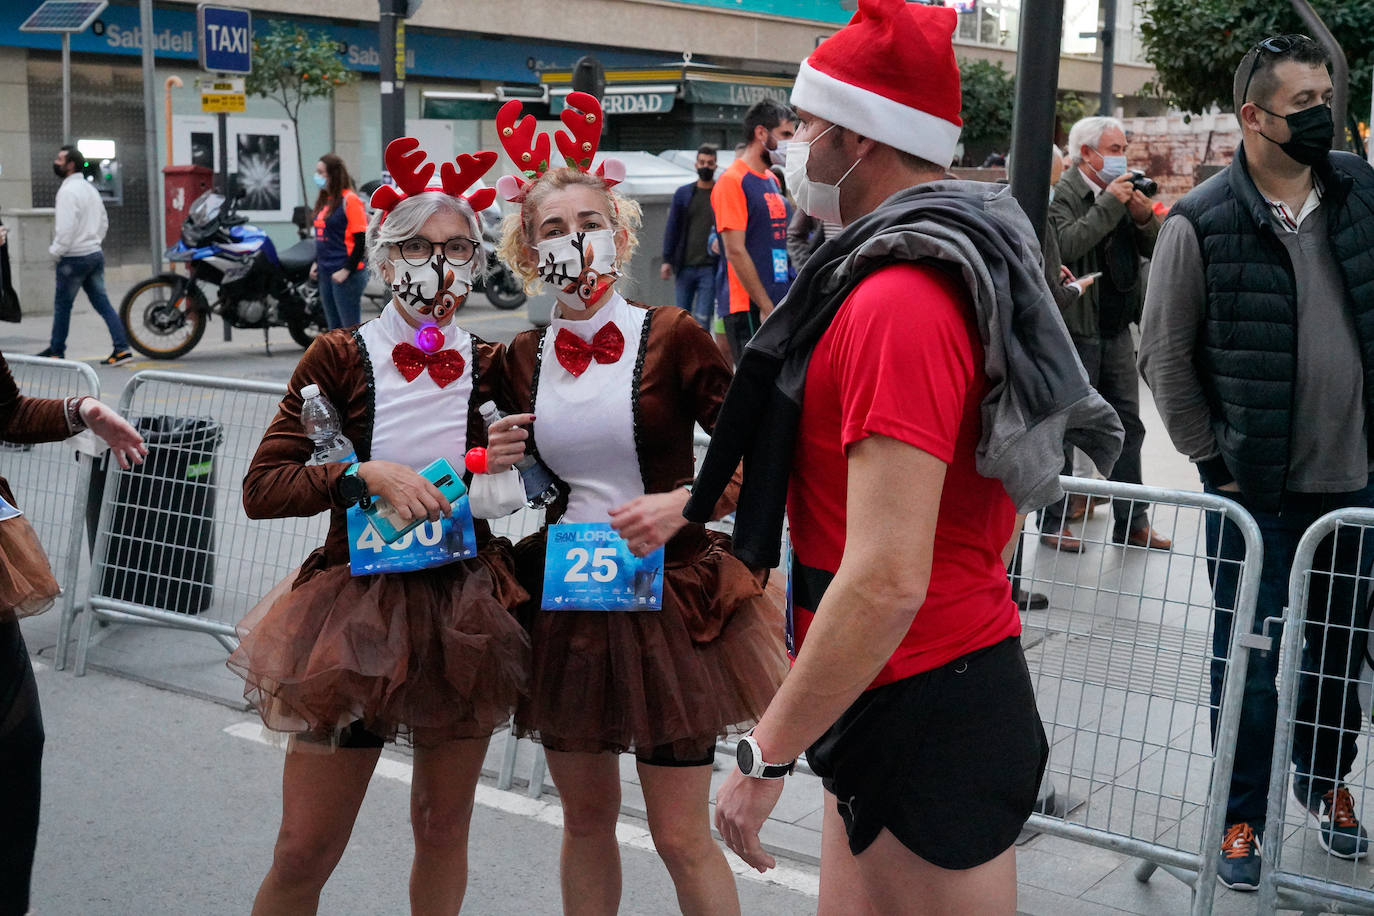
(457,251)
(1279,44)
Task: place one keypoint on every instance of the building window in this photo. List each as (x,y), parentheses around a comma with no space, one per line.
(993,23)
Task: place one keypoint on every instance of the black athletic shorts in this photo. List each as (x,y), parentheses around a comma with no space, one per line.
(949,760)
(665,756)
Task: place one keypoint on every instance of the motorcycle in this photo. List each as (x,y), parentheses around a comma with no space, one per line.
(165,316)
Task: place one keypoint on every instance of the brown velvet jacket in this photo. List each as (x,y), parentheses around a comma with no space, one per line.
(279,483)
(27,419)
(682,381)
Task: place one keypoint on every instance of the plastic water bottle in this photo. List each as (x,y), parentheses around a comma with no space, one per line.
(541,489)
(322,425)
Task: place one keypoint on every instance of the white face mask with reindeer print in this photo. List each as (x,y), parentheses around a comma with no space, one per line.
(578,268)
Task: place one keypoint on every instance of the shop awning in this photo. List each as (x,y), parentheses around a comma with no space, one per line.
(714,89)
(653,98)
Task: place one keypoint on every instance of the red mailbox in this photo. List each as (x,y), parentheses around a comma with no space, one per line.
(182,184)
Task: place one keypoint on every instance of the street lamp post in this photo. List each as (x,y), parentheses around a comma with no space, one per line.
(1032,130)
(391,66)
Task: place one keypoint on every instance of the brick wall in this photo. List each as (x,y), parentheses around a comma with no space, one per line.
(1169,150)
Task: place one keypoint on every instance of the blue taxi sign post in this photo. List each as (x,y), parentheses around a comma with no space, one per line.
(224,42)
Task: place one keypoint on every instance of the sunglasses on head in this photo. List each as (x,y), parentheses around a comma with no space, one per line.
(1279,44)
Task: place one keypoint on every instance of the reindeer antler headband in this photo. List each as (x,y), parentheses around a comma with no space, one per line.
(411,169)
(530,151)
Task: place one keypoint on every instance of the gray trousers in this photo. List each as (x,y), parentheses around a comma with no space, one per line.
(1110,362)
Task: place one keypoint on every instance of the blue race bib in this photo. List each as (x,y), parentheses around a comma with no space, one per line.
(780,270)
(787,611)
(588,567)
(426,546)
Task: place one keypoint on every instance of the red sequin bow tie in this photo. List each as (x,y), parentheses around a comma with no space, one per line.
(444,366)
(575,354)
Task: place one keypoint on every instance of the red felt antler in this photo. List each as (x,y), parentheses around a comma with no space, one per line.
(582,116)
(409,168)
(529,153)
(470,168)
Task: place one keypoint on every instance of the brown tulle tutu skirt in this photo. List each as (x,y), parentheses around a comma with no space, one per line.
(27,585)
(422,657)
(704,666)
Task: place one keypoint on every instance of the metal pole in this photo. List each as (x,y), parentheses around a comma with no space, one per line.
(391,66)
(145,16)
(223,153)
(66,87)
(1108,38)
(1340,69)
(1032,130)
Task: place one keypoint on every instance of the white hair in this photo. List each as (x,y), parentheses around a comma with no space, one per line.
(1088,132)
(403,222)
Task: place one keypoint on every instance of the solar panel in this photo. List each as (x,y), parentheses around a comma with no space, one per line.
(64,16)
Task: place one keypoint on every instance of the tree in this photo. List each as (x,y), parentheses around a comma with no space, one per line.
(1196,45)
(291,67)
(989,95)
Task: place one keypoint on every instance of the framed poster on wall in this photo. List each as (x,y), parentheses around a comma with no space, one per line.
(262,151)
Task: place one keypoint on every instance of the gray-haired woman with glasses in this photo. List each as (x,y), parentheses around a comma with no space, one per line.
(386,633)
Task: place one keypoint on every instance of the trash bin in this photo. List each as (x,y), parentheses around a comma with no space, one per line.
(160,551)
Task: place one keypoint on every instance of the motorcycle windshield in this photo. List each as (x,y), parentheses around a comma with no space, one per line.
(205,209)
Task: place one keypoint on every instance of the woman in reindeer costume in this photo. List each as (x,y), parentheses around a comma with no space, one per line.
(409,639)
(660,641)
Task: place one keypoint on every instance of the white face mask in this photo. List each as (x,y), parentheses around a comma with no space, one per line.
(578,268)
(432,292)
(814,197)
(1113,167)
(778,155)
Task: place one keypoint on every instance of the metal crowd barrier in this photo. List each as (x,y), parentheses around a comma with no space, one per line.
(1120,661)
(1328,602)
(173,547)
(51,480)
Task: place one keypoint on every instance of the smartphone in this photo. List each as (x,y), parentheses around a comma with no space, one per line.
(1092,276)
(383,515)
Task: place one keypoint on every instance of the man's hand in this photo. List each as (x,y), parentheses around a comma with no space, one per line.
(314,271)
(124,441)
(1121,188)
(506,441)
(1140,207)
(666,271)
(4,235)
(647,522)
(340,275)
(742,805)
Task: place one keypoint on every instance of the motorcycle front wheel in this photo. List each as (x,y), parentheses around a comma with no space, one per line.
(164,317)
(304,330)
(504,290)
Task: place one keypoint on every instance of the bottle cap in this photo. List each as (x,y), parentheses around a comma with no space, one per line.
(489,412)
(310,391)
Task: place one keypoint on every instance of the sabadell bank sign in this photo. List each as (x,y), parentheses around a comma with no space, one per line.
(170,40)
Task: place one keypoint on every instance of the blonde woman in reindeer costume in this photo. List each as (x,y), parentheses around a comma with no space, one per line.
(372,643)
(617,389)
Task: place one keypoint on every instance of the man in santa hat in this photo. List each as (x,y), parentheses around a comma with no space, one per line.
(901,417)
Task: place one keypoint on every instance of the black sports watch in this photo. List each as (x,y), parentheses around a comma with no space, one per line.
(353,488)
(750,760)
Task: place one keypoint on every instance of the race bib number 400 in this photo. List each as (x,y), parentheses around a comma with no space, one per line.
(423,547)
(588,567)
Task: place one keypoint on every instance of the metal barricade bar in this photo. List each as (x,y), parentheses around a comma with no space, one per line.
(173,546)
(1322,655)
(51,485)
(1121,661)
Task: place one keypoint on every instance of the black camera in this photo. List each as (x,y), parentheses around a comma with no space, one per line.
(1143,183)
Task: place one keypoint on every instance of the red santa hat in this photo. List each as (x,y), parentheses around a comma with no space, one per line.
(889,75)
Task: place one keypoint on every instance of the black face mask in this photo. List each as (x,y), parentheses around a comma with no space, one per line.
(59,171)
(706,174)
(1309,134)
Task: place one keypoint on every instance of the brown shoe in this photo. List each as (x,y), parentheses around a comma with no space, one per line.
(1081,506)
(1144,536)
(1064,539)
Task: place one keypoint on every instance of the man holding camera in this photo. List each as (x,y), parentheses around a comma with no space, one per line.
(1105,225)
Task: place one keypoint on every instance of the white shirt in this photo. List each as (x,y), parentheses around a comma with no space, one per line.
(1286,219)
(417,421)
(585,426)
(81,219)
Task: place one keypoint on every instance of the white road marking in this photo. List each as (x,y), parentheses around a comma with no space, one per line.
(801,880)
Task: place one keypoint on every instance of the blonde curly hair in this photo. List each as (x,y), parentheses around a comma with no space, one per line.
(517,229)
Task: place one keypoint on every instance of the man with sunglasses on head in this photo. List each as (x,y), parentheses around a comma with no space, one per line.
(1258,345)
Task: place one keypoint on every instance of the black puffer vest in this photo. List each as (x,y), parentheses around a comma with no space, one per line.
(1248,353)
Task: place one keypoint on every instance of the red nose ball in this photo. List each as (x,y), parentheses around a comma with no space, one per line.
(476,460)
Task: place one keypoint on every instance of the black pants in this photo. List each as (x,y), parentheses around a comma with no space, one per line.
(1110,363)
(21,763)
(739,328)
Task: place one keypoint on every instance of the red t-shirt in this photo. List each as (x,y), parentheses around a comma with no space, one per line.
(903,359)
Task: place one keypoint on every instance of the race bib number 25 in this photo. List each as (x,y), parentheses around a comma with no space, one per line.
(588,567)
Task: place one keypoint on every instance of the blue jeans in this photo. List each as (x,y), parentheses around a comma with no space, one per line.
(1328,713)
(86,272)
(696,292)
(343,301)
